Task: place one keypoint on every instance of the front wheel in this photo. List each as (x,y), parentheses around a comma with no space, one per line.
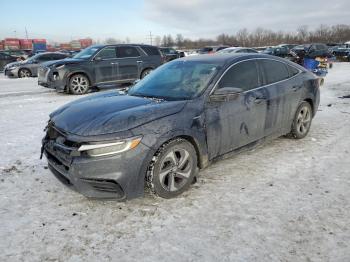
(79,84)
(146,72)
(302,121)
(23,73)
(173,169)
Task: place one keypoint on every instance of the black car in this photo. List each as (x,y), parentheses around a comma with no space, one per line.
(181,117)
(29,67)
(98,66)
(211,49)
(5,59)
(281,51)
(169,53)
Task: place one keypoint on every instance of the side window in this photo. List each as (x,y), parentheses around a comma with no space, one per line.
(107,53)
(58,56)
(274,71)
(292,71)
(44,57)
(127,51)
(243,75)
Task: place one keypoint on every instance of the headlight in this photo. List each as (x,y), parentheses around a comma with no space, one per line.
(12,67)
(110,148)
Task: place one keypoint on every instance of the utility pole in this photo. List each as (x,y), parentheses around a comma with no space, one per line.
(150,37)
(26,32)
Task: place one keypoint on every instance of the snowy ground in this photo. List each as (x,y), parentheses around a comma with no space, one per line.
(285,201)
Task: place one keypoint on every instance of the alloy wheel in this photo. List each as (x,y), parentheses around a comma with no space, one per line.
(24,73)
(79,84)
(304,120)
(176,169)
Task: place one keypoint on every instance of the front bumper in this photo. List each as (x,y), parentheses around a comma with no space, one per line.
(117,177)
(11,72)
(47,79)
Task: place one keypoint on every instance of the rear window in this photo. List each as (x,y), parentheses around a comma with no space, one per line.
(274,71)
(150,50)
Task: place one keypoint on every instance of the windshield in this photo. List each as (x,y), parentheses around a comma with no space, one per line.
(87,52)
(176,80)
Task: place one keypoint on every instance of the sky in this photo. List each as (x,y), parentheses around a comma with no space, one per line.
(65,20)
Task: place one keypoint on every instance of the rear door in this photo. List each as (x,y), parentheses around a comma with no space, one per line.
(106,65)
(281,90)
(239,121)
(129,63)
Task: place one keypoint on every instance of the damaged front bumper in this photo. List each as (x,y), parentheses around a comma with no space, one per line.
(119,176)
(50,79)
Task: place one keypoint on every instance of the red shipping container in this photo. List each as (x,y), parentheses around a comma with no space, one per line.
(26,43)
(11,39)
(85,42)
(39,41)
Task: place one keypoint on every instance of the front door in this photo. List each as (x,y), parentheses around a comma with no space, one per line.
(129,63)
(106,65)
(240,120)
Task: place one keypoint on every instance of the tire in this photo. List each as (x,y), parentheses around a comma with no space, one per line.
(24,73)
(79,84)
(146,72)
(172,169)
(302,121)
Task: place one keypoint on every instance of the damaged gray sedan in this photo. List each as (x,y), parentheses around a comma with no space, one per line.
(177,120)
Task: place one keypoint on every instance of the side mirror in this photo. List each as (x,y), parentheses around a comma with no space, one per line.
(97,59)
(225,94)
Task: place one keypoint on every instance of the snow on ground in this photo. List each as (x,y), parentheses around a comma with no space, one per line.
(288,200)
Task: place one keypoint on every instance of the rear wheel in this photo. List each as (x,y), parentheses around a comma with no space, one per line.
(173,168)
(23,73)
(79,84)
(302,121)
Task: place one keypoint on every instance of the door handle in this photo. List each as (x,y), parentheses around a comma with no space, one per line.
(112,63)
(139,62)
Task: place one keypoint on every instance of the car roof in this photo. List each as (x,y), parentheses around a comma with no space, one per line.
(141,45)
(226,59)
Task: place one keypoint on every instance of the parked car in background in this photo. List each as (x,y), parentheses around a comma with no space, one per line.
(29,67)
(98,66)
(276,51)
(187,113)
(237,50)
(312,50)
(169,53)
(6,59)
(211,49)
(19,54)
(288,46)
(341,51)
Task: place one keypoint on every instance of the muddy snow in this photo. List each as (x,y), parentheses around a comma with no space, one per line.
(287,200)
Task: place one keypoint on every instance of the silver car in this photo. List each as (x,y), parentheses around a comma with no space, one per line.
(29,67)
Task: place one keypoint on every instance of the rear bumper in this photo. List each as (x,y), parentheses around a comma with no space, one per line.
(115,177)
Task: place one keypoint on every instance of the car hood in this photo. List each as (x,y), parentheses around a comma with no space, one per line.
(110,112)
(15,64)
(60,62)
